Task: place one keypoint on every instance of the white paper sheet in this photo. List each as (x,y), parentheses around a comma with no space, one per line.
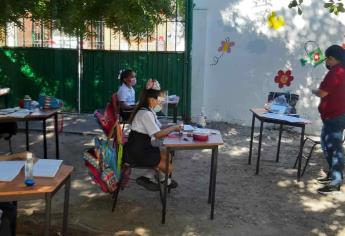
(291,119)
(46,167)
(188,128)
(10,169)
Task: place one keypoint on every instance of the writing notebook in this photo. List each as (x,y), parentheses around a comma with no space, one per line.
(46,167)
(10,169)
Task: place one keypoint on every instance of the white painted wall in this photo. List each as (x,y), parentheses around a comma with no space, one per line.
(242,79)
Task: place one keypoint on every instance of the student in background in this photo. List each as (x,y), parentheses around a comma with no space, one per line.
(126,93)
(332,111)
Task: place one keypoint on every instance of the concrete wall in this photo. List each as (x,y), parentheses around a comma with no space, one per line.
(242,79)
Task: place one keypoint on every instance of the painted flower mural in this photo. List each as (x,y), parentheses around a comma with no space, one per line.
(283,78)
(275,22)
(225,47)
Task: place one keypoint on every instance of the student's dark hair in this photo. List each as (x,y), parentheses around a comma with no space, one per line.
(144,101)
(125,74)
(337,52)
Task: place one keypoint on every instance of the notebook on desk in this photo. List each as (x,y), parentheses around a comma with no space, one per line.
(46,167)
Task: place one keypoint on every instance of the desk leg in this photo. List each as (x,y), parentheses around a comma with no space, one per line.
(65,208)
(48,211)
(259,149)
(56,130)
(44,139)
(214,179)
(27,135)
(175,113)
(300,154)
(211,178)
(251,141)
(279,141)
(165,187)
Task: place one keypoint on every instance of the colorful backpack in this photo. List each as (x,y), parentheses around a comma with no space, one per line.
(107,120)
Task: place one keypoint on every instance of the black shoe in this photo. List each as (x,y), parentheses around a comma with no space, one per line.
(173,184)
(324,180)
(328,189)
(147,184)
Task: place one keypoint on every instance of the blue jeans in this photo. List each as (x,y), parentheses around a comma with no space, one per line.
(332,146)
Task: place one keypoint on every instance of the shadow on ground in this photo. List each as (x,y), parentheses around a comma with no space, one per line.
(272,203)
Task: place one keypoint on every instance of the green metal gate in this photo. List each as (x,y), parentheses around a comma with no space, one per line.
(55,72)
(101,70)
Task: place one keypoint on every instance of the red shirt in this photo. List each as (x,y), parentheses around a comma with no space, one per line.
(333,104)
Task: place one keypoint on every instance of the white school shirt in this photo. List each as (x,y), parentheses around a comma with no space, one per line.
(146,122)
(126,94)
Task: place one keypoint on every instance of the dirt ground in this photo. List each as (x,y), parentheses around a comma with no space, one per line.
(271,203)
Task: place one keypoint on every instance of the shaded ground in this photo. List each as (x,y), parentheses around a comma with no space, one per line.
(272,203)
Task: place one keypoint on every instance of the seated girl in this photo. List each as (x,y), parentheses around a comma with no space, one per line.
(126,93)
(145,128)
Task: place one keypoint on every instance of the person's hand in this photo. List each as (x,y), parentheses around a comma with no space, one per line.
(178,128)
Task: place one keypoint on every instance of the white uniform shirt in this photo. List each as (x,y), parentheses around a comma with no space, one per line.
(126,94)
(146,122)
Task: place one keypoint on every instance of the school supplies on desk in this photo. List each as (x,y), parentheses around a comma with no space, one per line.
(10,169)
(46,167)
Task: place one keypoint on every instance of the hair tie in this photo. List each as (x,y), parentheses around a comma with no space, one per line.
(119,76)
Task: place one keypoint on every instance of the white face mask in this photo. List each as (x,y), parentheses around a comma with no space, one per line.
(157,108)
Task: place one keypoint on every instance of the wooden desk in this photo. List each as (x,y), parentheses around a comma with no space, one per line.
(38,115)
(4,92)
(258,114)
(44,188)
(187,143)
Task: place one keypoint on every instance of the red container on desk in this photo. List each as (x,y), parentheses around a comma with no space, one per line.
(201,136)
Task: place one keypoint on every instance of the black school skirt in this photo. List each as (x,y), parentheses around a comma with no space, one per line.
(138,150)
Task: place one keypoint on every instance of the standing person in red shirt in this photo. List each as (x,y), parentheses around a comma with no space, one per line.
(332,111)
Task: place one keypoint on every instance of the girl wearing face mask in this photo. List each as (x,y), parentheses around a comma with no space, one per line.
(126,93)
(145,128)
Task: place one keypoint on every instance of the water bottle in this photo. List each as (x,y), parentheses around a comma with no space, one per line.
(202,119)
(27,102)
(29,176)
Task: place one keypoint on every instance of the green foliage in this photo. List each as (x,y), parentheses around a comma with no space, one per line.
(134,18)
(334,7)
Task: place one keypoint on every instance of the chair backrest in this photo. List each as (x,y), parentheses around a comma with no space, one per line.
(115,103)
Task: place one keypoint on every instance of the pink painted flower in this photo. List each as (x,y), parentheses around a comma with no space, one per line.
(225,46)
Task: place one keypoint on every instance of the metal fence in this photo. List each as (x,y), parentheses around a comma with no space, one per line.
(55,71)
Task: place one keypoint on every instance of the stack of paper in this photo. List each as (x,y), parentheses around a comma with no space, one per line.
(10,169)
(46,167)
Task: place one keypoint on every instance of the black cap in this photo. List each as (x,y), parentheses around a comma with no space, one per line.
(337,52)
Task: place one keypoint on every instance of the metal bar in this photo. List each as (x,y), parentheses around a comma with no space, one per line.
(65,208)
(300,154)
(251,140)
(211,178)
(214,179)
(279,141)
(56,130)
(165,186)
(44,139)
(27,135)
(175,113)
(294,166)
(259,149)
(42,33)
(48,211)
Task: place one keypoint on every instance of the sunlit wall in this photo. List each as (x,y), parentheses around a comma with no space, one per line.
(243,78)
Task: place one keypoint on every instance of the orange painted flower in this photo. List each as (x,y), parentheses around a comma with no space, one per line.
(283,78)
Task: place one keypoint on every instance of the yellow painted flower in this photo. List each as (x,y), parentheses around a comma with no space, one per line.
(275,22)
